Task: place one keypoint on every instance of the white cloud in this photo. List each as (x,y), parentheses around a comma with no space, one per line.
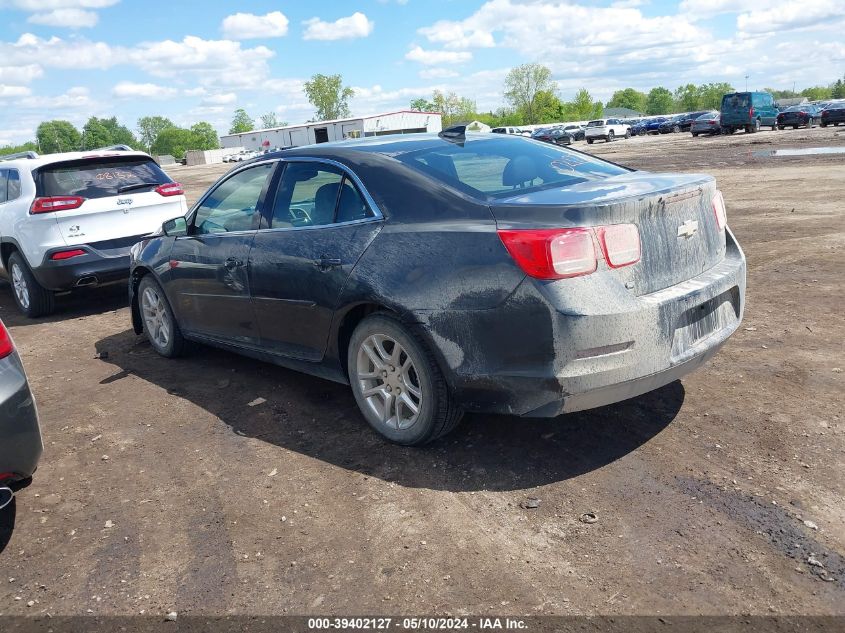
(76,97)
(351,27)
(48,5)
(220,99)
(75,53)
(437,73)
(458,35)
(20,74)
(243,26)
(67,18)
(432,58)
(130,90)
(13,91)
(791,16)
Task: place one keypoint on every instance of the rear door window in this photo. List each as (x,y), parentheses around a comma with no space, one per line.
(13,186)
(100,177)
(4,177)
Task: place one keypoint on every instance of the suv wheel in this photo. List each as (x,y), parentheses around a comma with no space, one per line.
(628,133)
(610,136)
(676,129)
(31,297)
(159,323)
(397,384)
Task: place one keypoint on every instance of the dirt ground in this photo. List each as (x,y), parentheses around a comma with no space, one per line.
(160,489)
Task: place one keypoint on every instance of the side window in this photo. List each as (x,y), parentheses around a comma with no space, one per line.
(313,194)
(4,176)
(233,205)
(13,186)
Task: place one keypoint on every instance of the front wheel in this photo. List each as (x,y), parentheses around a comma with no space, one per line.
(676,129)
(32,298)
(610,136)
(589,141)
(397,384)
(159,323)
(694,134)
(627,133)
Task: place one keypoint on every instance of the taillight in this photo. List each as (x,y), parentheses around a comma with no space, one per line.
(170,189)
(751,112)
(67,254)
(719,210)
(55,203)
(6,346)
(620,243)
(565,253)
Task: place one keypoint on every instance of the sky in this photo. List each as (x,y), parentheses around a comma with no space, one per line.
(193,60)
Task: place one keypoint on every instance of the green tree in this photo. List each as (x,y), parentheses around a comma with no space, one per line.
(104,132)
(328,94)
(817,93)
(174,141)
(452,107)
(523,84)
(548,107)
(659,101)
(205,136)
(29,146)
(628,98)
(241,122)
(422,105)
(837,89)
(149,127)
(58,136)
(582,107)
(687,98)
(271,120)
(710,95)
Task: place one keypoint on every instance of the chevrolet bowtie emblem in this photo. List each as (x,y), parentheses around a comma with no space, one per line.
(688,229)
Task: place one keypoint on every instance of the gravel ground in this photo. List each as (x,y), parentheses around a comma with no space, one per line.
(161,490)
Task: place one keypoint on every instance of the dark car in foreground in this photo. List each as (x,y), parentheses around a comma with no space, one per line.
(20,435)
(833,114)
(438,274)
(707,123)
(797,116)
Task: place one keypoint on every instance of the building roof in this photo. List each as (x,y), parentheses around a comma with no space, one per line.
(330,122)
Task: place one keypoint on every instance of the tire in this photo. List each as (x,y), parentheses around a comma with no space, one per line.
(589,141)
(610,136)
(372,350)
(781,127)
(825,124)
(160,326)
(694,134)
(628,133)
(676,129)
(32,298)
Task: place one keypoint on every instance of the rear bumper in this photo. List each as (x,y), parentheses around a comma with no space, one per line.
(92,269)
(20,435)
(545,352)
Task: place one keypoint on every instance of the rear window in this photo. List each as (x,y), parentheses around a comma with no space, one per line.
(736,101)
(598,123)
(100,177)
(503,167)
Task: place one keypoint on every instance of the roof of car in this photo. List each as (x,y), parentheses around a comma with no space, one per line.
(47,159)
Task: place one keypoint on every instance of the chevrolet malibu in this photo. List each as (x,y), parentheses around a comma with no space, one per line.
(438,274)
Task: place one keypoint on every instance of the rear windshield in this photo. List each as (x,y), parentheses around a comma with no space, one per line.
(736,101)
(100,177)
(595,123)
(507,166)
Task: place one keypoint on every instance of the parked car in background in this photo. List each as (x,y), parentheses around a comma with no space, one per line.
(20,435)
(556,135)
(508,129)
(590,297)
(747,111)
(67,220)
(575,131)
(638,127)
(671,125)
(652,126)
(804,115)
(833,114)
(707,123)
(607,129)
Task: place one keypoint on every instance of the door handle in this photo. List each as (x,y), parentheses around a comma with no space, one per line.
(327,263)
(231,263)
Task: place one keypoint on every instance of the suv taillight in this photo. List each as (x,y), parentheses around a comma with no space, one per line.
(6,346)
(169,189)
(719,210)
(565,253)
(55,203)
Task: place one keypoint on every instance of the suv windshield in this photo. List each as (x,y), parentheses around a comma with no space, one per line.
(502,167)
(99,177)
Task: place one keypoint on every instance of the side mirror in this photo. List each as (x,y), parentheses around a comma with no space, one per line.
(175,227)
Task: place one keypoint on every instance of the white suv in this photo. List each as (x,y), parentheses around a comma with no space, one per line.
(608,129)
(68,220)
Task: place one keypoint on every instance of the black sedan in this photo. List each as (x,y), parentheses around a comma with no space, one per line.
(555,135)
(20,435)
(799,116)
(707,123)
(438,274)
(834,114)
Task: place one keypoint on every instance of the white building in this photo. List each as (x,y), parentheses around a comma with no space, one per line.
(402,122)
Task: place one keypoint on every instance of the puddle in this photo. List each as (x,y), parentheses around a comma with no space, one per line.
(805,151)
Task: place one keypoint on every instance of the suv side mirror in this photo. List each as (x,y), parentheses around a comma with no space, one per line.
(175,227)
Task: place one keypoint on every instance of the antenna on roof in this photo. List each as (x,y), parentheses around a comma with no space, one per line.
(454,134)
(27,154)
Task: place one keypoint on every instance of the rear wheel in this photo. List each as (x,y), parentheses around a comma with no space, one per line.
(610,136)
(159,323)
(589,141)
(31,297)
(825,124)
(397,384)
(628,133)
(694,134)
(676,128)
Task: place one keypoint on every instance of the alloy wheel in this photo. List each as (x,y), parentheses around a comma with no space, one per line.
(156,319)
(389,381)
(19,284)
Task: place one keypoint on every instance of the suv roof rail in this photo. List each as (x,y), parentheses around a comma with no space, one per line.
(116,148)
(27,154)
